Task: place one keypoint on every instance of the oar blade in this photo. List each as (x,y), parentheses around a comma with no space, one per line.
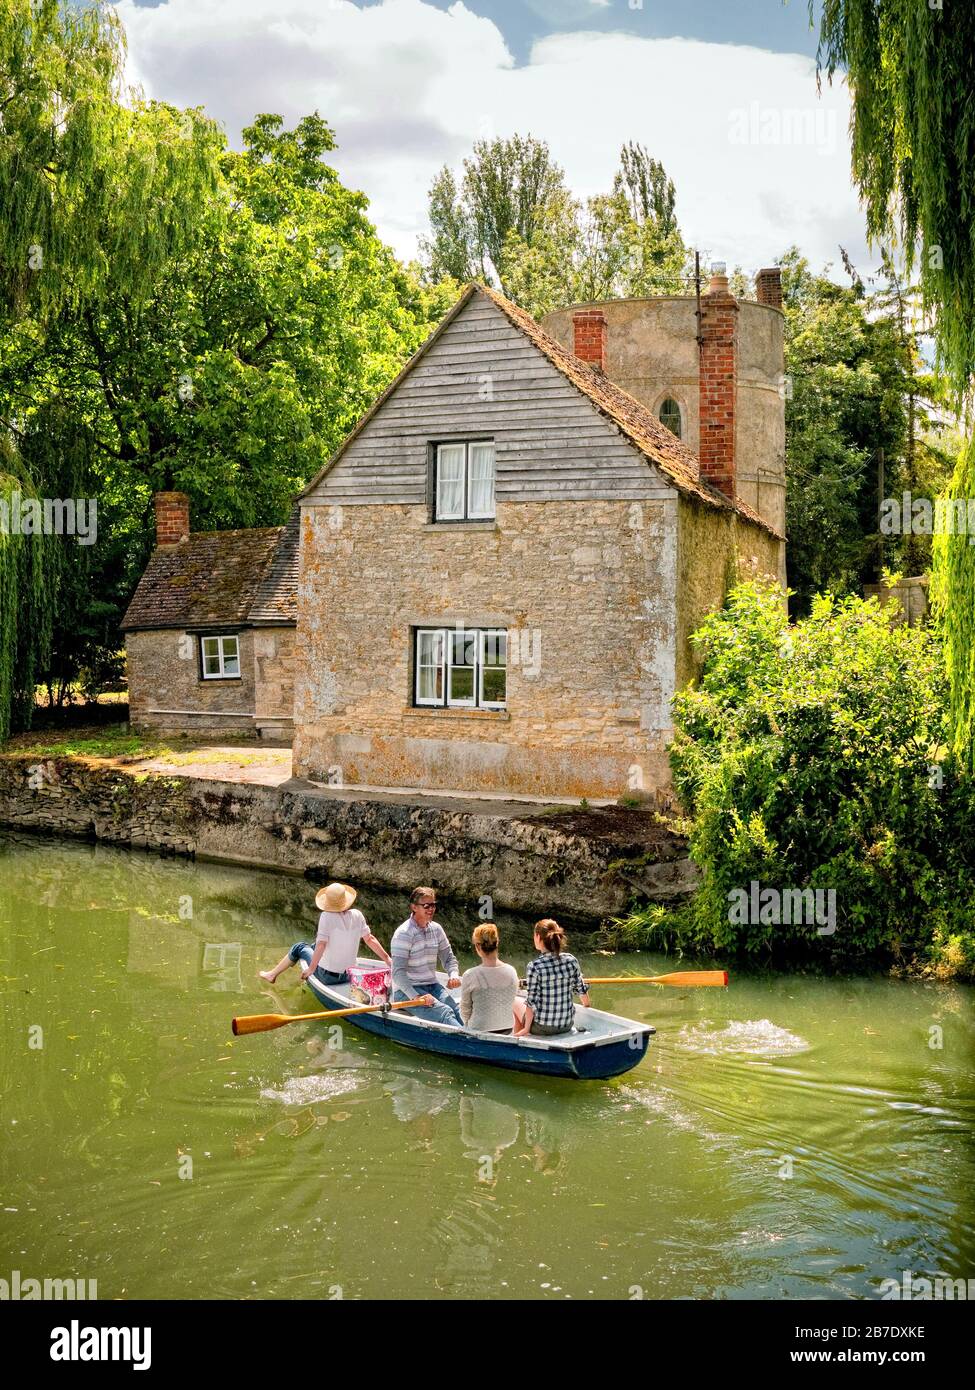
(258,1023)
(717,979)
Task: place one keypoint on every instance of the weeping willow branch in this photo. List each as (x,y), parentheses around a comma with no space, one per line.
(953,603)
(27,578)
(98,188)
(909,67)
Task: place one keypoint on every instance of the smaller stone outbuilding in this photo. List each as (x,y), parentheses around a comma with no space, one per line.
(210,631)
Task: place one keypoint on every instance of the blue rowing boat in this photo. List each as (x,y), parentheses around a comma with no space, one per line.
(601,1045)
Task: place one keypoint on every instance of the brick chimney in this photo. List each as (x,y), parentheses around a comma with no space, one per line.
(718,381)
(768,287)
(172,517)
(589,341)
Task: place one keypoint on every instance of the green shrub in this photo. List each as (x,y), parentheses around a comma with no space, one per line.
(813,756)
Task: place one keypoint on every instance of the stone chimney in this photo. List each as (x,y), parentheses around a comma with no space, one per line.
(718,383)
(589,330)
(172,517)
(768,287)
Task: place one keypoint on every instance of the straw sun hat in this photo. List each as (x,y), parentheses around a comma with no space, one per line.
(337,897)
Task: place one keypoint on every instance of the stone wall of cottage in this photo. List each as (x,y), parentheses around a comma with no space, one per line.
(586,591)
(715,550)
(164,675)
(274,662)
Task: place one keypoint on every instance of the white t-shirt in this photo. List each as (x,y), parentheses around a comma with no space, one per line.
(342,931)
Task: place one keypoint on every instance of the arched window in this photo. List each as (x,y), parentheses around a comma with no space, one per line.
(669,415)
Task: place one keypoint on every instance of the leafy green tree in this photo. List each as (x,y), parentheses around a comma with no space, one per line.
(855,395)
(542,246)
(509,188)
(650,193)
(909,69)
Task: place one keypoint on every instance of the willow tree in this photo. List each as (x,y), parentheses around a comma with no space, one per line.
(27,567)
(98,188)
(99,191)
(909,67)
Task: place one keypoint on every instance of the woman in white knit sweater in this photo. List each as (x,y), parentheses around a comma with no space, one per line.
(487,991)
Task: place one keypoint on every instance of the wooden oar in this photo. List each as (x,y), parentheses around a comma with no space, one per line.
(263,1023)
(680,978)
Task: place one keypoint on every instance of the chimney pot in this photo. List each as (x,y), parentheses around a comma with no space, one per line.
(589,337)
(172,517)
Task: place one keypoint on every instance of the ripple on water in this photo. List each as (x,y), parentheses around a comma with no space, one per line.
(305,1090)
(760,1038)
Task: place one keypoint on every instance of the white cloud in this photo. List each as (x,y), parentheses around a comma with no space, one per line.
(758,159)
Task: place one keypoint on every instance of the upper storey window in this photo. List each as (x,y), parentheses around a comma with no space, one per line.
(669,415)
(464,481)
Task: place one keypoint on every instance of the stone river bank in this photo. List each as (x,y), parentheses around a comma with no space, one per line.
(581,863)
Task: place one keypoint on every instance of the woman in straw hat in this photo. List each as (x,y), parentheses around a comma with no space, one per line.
(340,929)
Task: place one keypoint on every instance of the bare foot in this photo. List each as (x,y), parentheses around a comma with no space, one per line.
(268,975)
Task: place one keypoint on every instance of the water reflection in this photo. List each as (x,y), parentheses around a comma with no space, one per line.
(222,961)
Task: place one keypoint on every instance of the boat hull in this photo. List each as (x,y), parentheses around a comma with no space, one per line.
(581,1060)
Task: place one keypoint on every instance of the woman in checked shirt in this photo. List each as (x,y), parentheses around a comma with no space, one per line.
(552,980)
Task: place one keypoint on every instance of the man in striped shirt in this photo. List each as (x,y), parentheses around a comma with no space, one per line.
(415,948)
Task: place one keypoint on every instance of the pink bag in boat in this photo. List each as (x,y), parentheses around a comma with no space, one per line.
(369,983)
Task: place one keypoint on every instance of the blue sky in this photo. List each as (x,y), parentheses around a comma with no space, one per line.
(772,24)
(722,91)
(783,28)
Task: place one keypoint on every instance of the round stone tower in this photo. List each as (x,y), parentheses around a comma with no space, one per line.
(724,395)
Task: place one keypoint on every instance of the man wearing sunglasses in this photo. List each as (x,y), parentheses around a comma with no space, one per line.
(416,947)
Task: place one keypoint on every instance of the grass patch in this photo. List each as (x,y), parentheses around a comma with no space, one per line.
(111,741)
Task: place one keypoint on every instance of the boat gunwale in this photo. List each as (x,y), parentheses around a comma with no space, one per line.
(570,1043)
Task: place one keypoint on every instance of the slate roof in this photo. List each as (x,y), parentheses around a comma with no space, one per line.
(634,419)
(220,578)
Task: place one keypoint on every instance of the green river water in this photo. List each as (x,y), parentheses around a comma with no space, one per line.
(145,1148)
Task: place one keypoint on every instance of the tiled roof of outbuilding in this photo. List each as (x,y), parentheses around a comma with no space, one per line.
(214,578)
(276,600)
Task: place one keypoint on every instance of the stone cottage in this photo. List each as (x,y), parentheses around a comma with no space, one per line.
(501,566)
(210,631)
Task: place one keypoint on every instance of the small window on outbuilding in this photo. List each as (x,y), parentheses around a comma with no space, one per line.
(669,415)
(220,658)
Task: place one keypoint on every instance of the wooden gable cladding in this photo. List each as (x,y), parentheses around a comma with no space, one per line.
(481,377)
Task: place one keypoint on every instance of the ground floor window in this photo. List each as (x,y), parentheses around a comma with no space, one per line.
(219,657)
(461,667)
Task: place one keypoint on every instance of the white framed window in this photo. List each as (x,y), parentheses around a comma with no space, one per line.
(219,658)
(461,668)
(431,645)
(493,670)
(464,481)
